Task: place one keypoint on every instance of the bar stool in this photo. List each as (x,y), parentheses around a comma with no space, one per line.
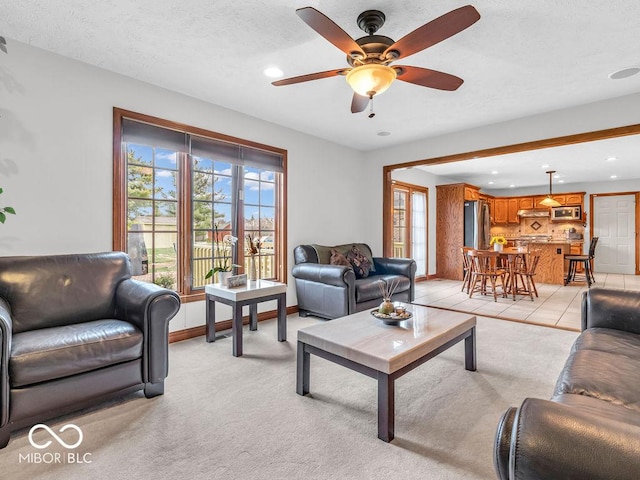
(587,264)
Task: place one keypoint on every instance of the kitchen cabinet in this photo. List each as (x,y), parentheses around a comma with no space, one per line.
(500,215)
(471,193)
(573,199)
(561,199)
(525,203)
(512,210)
(492,208)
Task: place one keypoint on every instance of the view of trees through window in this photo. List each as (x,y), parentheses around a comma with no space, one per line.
(181,209)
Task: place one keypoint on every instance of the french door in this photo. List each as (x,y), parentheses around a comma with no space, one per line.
(409,231)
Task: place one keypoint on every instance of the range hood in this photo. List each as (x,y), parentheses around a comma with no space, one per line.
(534,212)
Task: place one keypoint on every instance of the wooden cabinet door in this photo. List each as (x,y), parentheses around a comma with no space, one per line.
(512,210)
(562,199)
(471,193)
(537,200)
(525,203)
(573,199)
(501,214)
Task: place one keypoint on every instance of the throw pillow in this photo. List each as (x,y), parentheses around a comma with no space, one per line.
(360,263)
(338,259)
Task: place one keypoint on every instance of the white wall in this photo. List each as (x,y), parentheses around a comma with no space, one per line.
(56,161)
(585,118)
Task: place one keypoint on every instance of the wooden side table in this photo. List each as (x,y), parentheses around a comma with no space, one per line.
(250,294)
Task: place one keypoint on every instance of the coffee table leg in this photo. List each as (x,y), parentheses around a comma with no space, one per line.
(210,315)
(303,363)
(282,318)
(470,351)
(236,329)
(386,407)
(253,317)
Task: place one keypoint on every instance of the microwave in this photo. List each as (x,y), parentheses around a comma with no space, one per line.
(566,213)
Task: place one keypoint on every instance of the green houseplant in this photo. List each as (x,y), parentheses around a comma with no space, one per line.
(5,210)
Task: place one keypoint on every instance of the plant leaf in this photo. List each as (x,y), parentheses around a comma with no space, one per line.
(3,217)
(1,190)
(10,210)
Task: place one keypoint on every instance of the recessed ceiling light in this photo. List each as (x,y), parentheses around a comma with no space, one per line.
(556,176)
(273,72)
(490,183)
(624,73)
(494,172)
(512,186)
(613,176)
(384,134)
(611,159)
(544,166)
(560,181)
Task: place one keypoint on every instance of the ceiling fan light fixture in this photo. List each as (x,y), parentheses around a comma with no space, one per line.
(371,79)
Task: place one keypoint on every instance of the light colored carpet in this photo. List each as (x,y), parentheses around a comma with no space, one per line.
(240,418)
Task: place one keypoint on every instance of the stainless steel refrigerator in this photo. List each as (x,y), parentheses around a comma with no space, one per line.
(477,224)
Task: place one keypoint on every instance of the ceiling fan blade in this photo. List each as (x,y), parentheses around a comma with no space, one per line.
(309,77)
(359,103)
(428,78)
(435,31)
(329,30)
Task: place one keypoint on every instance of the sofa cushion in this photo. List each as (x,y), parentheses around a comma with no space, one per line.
(360,263)
(51,353)
(323,253)
(367,289)
(609,340)
(603,375)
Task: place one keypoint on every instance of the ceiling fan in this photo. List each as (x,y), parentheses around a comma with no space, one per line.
(370,56)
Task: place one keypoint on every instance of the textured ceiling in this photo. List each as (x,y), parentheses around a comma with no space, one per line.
(521,58)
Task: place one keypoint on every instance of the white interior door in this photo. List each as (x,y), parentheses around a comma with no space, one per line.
(614,224)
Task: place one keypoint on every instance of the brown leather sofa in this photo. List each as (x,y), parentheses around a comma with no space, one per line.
(74,330)
(590,429)
(332,291)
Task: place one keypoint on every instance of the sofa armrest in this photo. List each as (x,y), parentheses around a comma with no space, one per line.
(150,308)
(395,266)
(608,308)
(336,275)
(6,328)
(554,441)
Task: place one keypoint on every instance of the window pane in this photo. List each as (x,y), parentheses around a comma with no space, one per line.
(202,215)
(166,185)
(252,192)
(267,194)
(164,258)
(166,158)
(201,164)
(222,189)
(202,186)
(140,212)
(222,215)
(139,181)
(139,154)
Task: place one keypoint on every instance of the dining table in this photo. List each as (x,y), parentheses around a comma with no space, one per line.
(514,260)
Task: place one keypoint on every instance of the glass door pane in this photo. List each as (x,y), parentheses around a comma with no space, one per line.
(419,232)
(400,226)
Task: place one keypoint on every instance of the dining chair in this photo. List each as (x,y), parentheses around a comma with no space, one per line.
(466,268)
(527,271)
(485,273)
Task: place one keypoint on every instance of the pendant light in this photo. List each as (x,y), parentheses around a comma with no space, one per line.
(549,201)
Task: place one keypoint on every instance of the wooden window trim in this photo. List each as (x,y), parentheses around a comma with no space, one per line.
(119,232)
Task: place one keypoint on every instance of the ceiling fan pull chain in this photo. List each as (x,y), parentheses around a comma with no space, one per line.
(371,112)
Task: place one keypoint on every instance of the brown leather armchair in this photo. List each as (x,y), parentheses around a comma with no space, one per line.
(75,330)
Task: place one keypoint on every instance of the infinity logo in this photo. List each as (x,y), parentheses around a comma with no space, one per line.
(53,434)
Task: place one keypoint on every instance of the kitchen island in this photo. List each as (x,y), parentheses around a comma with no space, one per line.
(551,266)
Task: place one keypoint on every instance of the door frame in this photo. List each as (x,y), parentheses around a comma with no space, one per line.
(637,217)
(388,226)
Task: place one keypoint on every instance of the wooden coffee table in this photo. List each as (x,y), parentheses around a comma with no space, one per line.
(365,344)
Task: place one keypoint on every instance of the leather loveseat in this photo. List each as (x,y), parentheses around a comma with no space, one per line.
(590,429)
(74,330)
(332,291)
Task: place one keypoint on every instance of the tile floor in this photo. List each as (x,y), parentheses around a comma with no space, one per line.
(557,306)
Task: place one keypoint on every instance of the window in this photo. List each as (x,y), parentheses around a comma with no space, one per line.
(179,190)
